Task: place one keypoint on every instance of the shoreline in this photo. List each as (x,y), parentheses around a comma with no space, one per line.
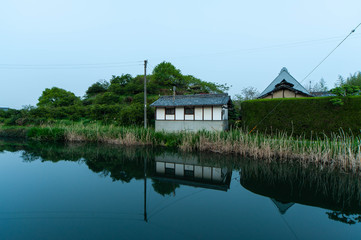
(339,151)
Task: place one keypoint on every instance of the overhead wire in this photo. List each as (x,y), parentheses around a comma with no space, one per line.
(324,59)
(251,50)
(70,66)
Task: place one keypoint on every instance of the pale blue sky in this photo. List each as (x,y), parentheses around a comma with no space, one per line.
(241,43)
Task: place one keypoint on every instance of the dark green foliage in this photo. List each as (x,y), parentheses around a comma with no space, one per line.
(46,134)
(353,80)
(119,101)
(96,88)
(303,116)
(343,91)
(57,97)
(166,75)
(346,90)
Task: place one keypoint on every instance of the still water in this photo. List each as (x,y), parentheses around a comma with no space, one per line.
(51,191)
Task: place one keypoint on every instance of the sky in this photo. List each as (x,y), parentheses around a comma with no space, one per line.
(72,44)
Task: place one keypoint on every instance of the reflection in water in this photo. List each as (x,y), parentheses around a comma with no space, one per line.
(285,184)
(188,170)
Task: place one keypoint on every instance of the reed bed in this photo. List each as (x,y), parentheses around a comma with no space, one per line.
(338,151)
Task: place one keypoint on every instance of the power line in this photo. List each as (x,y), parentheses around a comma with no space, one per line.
(70,64)
(251,50)
(352,31)
(35,67)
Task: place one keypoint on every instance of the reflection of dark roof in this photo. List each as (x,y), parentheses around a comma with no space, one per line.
(284,75)
(282,206)
(192,100)
(322,94)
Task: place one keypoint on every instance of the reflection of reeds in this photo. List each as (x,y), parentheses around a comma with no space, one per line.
(338,151)
(305,185)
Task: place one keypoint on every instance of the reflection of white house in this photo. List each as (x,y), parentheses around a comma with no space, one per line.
(192,112)
(189,171)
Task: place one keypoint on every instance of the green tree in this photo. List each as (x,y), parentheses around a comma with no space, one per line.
(352,80)
(57,97)
(118,83)
(195,85)
(165,74)
(98,87)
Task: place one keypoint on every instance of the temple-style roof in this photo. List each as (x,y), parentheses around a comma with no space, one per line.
(192,100)
(284,78)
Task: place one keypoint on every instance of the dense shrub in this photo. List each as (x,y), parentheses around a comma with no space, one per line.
(303,116)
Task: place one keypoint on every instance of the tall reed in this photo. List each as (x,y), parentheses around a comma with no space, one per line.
(338,151)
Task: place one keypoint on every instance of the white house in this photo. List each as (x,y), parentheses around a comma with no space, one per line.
(192,112)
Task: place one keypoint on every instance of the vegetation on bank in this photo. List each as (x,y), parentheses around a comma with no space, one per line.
(338,151)
(307,117)
(119,101)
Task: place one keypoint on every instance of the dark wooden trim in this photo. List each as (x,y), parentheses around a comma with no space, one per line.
(283,93)
(212,114)
(202,113)
(184,113)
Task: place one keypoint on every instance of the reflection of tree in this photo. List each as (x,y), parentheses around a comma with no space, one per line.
(344,217)
(164,188)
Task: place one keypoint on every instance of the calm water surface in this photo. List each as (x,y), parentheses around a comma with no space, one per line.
(51,191)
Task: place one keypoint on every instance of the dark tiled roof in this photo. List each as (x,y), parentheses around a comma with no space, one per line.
(322,94)
(192,100)
(284,75)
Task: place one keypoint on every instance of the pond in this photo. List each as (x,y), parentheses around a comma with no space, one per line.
(87,191)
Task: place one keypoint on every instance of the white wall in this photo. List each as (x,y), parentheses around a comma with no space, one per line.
(169,117)
(207,113)
(225,113)
(179,113)
(217,174)
(198,113)
(217,113)
(179,169)
(207,173)
(160,167)
(189,117)
(198,172)
(160,113)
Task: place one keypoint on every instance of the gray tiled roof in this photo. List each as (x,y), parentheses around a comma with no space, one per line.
(192,100)
(322,94)
(285,75)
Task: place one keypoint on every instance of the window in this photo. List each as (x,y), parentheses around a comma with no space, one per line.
(189,110)
(169,111)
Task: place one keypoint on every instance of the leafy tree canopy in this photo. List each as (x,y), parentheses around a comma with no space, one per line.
(57,97)
(165,74)
(98,87)
(352,80)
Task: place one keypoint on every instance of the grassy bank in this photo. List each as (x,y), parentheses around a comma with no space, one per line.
(338,151)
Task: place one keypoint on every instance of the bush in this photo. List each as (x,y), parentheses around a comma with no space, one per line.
(303,116)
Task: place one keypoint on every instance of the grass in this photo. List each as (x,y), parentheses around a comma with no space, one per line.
(338,151)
